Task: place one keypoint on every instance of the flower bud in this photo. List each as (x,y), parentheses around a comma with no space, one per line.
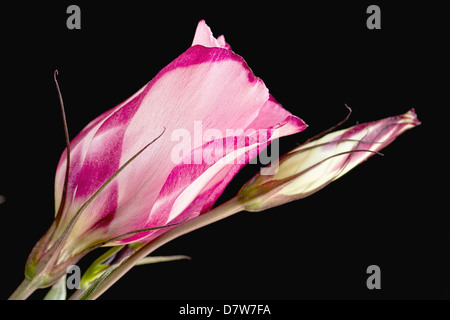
(314,164)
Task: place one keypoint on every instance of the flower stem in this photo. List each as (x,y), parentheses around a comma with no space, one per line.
(225,210)
(23,291)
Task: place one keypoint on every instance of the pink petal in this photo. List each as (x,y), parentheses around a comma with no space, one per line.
(204,37)
(377,135)
(273,112)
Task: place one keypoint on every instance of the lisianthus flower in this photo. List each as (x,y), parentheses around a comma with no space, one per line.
(142,165)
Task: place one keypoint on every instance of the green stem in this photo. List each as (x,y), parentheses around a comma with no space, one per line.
(78,294)
(225,210)
(23,291)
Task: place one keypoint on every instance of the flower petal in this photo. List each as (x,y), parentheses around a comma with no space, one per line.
(204,37)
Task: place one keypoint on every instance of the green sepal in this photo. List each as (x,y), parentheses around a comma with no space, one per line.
(98,267)
(106,263)
(58,290)
(157,259)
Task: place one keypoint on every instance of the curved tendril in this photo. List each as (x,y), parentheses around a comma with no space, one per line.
(103,186)
(320,135)
(333,156)
(66,134)
(98,245)
(359,141)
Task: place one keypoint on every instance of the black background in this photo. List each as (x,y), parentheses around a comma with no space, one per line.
(391,211)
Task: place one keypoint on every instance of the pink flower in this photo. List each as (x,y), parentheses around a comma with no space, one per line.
(208,86)
(313,165)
